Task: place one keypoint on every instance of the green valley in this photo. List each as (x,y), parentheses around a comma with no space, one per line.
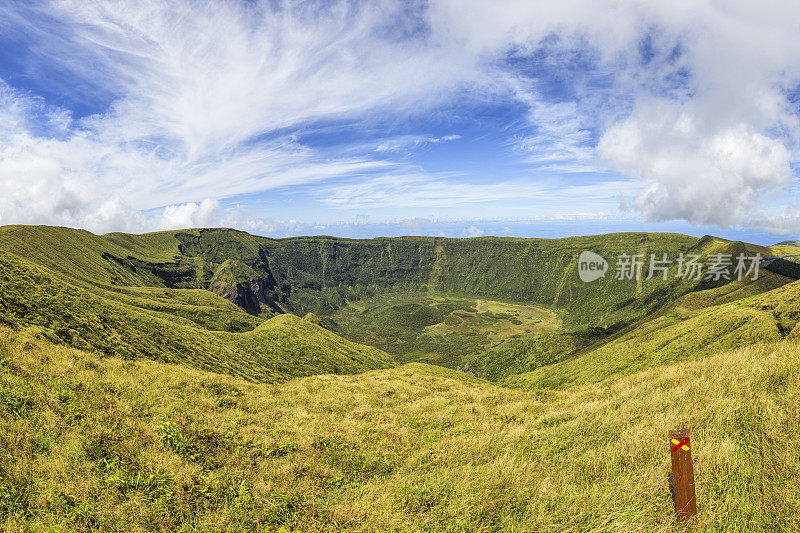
(399,266)
(417,326)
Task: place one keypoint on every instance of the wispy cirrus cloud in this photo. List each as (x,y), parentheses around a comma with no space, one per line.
(205,96)
(422,190)
(436,191)
(77,176)
(410,142)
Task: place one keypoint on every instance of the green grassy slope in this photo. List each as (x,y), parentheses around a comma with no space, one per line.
(115,259)
(590,354)
(530,353)
(688,329)
(529,270)
(319,274)
(190,326)
(392,280)
(316,273)
(119,445)
(425,327)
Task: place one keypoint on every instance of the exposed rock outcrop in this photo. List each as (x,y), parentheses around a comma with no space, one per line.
(237,282)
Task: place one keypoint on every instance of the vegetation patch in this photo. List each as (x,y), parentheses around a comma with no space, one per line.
(438,329)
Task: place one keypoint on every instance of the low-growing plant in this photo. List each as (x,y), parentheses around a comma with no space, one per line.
(16,403)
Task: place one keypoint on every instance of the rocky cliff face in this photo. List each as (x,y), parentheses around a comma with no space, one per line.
(246,288)
(246,294)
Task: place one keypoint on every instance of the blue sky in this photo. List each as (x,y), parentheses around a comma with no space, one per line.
(367,118)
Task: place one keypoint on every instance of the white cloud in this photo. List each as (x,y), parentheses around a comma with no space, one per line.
(473,231)
(242,218)
(704,175)
(560,141)
(415,222)
(189,215)
(212,75)
(408,142)
(580,216)
(207,97)
(704,121)
(422,190)
(198,86)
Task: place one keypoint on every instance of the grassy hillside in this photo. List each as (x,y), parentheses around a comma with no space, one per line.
(114,259)
(681,327)
(689,329)
(530,353)
(598,373)
(115,445)
(194,327)
(324,274)
(319,274)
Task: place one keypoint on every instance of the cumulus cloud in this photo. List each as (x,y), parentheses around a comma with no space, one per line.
(692,97)
(701,174)
(473,231)
(716,154)
(189,215)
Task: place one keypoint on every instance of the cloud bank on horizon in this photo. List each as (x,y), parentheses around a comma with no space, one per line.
(133,115)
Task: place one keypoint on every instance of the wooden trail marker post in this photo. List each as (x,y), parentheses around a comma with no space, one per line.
(682,473)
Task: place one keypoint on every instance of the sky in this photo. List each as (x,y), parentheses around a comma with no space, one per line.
(365,118)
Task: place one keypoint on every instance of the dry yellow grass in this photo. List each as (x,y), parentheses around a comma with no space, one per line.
(115,445)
